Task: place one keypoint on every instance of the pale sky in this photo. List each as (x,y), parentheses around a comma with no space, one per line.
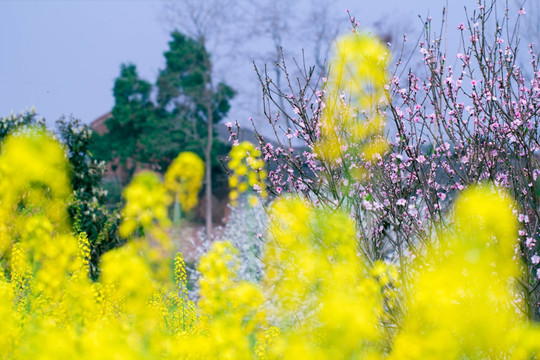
(63,56)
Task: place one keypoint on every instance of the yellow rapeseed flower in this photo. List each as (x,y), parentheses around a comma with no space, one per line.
(147,204)
(247,170)
(184,179)
(352,118)
(461,299)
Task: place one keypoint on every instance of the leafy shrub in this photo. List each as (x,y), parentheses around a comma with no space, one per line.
(87,207)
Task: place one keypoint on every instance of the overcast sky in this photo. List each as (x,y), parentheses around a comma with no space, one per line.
(63,56)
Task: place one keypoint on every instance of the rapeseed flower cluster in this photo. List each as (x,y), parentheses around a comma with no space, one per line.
(318,297)
(145,217)
(321,295)
(353,119)
(247,172)
(146,205)
(184,178)
(461,299)
(38,186)
(49,306)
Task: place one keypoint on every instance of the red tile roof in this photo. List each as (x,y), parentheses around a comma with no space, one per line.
(99,126)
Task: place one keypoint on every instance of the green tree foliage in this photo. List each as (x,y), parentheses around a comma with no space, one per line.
(131,114)
(187,93)
(186,81)
(186,97)
(192,103)
(181,118)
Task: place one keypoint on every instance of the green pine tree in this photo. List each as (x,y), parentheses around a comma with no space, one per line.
(192,103)
(131,116)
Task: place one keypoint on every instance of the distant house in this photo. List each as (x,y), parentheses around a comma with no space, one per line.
(99,126)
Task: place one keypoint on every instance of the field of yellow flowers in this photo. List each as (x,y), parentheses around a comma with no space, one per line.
(319,297)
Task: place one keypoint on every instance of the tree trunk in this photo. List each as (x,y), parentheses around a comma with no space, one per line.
(208,160)
(208,99)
